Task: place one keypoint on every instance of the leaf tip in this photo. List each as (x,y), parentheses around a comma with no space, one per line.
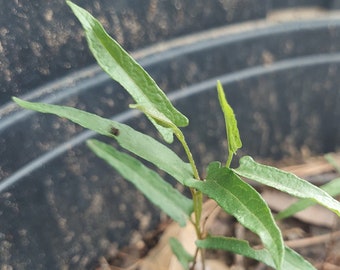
(19,101)
(70,3)
(15,99)
(246,159)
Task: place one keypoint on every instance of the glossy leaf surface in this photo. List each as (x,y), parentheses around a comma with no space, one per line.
(243,202)
(130,139)
(121,67)
(332,188)
(286,182)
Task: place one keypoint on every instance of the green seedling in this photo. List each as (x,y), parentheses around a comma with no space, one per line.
(222,183)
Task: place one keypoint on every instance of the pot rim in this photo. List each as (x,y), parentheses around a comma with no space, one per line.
(79,81)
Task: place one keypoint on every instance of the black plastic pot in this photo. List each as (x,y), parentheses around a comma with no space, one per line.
(42,40)
(61,207)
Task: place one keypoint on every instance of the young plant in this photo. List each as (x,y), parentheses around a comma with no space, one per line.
(222,183)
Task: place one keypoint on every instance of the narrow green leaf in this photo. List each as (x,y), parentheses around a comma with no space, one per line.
(332,188)
(181,254)
(158,191)
(291,260)
(130,139)
(286,182)
(243,202)
(125,70)
(233,135)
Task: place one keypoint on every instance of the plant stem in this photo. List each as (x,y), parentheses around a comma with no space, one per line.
(197,195)
(195,259)
(181,138)
(230,157)
(198,202)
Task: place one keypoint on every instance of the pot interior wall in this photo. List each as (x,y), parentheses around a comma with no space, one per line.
(66,207)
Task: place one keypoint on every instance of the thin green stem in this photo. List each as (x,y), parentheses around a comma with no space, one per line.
(198,202)
(181,138)
(197,195)
(230,158)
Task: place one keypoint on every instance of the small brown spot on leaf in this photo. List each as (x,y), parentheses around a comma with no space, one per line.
(114,131)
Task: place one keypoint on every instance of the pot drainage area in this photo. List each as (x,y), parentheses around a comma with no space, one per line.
(61,207)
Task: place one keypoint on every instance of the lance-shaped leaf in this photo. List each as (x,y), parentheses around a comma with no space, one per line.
(181,254)
(332,188)
(243,202)
(158,191)
(136,142)
(125,70)
(286,182)
(233,135)
(291,260)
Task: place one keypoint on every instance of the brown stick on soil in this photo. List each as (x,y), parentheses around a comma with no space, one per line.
(314,240)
